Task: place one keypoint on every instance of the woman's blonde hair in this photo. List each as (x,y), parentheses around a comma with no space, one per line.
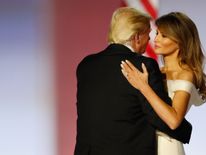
(180,28)
(125,23)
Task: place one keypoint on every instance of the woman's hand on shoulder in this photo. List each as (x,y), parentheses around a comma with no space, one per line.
(134,76)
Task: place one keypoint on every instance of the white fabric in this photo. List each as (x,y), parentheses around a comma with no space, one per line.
(174,85)
(166,144)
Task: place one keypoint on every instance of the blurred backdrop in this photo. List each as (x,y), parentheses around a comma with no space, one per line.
(41,44)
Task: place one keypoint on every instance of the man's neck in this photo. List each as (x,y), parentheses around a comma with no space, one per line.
(130,47)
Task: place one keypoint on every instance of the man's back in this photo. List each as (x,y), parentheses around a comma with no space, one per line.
(112,118)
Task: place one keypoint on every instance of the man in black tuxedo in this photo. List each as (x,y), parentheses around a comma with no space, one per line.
(113,117)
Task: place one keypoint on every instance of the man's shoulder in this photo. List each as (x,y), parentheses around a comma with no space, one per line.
(148,61)
(88,59)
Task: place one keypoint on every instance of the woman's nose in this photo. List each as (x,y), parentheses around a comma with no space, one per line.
(156,38)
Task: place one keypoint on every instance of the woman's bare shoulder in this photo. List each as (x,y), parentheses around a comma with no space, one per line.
(186,74)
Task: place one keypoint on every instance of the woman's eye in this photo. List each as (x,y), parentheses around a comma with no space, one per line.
(164,36)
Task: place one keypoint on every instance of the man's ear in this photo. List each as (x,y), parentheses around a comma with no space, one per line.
(137,38)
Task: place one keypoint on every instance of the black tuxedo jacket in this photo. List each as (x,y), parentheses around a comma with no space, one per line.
(113,117)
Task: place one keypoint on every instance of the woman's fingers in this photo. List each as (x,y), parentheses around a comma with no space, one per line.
(134,76)
(124,73)
(128,67)
(144,68)
(131,66)
(125,67)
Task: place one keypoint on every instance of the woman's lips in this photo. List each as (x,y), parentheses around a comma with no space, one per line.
(156,46)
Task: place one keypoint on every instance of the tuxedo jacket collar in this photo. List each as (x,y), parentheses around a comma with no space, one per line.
(114,49)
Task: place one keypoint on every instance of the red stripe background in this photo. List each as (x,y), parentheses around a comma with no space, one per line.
(80,29)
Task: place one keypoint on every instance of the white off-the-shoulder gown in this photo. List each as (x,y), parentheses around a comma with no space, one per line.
(168,145)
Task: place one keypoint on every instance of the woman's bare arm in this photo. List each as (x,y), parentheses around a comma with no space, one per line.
(171,115)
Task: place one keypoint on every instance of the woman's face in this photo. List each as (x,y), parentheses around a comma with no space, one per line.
(164,45)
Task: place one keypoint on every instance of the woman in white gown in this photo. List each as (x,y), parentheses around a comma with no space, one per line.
(177,40)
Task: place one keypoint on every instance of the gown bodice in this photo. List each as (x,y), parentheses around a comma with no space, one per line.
(175,85)
(166,144)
